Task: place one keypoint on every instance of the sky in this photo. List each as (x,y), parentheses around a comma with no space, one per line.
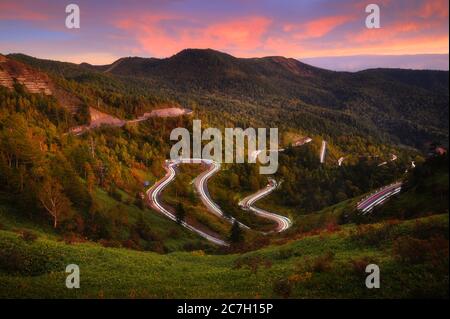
(330,33)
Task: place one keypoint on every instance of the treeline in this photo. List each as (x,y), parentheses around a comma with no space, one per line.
(18,100)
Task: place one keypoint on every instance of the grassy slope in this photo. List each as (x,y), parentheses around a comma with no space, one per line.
(111,272)
(174,236)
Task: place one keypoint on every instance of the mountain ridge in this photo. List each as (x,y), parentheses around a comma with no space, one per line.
(409,106)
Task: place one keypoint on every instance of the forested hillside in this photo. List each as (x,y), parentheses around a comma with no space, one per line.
(397,106)
(366,117)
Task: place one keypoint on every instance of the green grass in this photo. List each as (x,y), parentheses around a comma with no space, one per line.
(175,237)
(114,273)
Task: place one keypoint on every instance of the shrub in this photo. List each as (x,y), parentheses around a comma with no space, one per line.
(283,288)
(285,253)
(130,244)
(302,277)
(424,230)
(369,235)
(157,247)
(114,193)
(109,243)
(174,233)
(359,265)
(72,238)
(143,230)
(28,236)
(27,262)
(140,203)
(332,227)
(195,245)
(411,250)
(198,253)
(323,263)
(252,263)
(12,261)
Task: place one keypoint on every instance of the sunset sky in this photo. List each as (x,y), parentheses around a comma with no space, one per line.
(245,28)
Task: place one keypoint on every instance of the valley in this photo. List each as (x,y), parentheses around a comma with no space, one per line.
(362,177)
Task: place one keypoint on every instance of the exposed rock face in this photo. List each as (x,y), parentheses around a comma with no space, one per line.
(34,82)
(5,79)
(99,118)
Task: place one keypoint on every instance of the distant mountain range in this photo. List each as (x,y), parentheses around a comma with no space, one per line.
(363,62)
(406,106)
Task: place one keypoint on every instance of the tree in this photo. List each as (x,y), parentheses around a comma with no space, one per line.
(181,213)
(236,235)
(234,181)
(54,200)
(90,177)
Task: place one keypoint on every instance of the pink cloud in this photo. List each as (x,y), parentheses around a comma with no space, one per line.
(16,11)
(238,35)
(317,28)
(420,28)
(432,8)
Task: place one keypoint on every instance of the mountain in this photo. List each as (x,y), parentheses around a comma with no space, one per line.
(400,106)
(99,179)
(399,102)
(363,62)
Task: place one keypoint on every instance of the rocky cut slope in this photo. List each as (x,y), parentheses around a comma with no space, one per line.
(15,72)
(35,82)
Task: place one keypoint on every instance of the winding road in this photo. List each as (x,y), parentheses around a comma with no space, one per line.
(283,222)
(200,184)
(154,192)
(323,151)
(379,197)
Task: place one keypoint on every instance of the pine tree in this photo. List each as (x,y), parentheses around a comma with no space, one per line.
(236,235)
(181,213)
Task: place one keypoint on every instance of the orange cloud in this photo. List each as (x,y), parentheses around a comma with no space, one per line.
(317,28)
(245,34)
(432,8)
(400,30)
(417,45)
(239,35)
(165,33)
